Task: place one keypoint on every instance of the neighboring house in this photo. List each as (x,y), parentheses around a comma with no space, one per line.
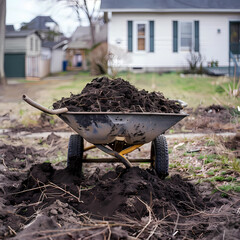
(157,35)
(54,51)
(46,26)
(80,44)
(22,53)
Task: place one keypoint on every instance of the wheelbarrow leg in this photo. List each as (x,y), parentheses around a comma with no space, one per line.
(115,154)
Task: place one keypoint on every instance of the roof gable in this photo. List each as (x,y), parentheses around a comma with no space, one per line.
(170,5)
(39,23)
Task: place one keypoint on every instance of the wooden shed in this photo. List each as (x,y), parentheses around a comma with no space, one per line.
(23,55)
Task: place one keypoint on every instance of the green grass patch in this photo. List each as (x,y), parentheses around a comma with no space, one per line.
(236,164)
(210,173)
(210,143)
(230,187)
(223,179)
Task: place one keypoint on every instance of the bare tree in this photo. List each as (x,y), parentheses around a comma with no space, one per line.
(2,40)
(83,6)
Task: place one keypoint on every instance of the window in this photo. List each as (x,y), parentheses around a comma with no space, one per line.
(31,44)
(141,37)
(36,45)
(186,35)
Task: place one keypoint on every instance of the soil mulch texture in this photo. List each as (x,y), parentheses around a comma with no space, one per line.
(234,144)
(214,118)
(18,156)
(117,95)
(120,204)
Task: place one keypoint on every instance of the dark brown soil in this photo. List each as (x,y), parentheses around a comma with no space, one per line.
(212,119)
(18,156)
(117,95)
(214,108)
(57,203)
(112,192)
(234,144)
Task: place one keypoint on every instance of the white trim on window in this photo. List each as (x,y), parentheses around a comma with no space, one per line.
(135,36)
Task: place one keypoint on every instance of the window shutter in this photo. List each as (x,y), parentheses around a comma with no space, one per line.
(175,36)
(130,36)
(151,27)
(196,29)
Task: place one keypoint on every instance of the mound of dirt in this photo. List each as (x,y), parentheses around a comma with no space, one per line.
(107,95)
(214,108)
(116,192)
(211,119)
(120,204)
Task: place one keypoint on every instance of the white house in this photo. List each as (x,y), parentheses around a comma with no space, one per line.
(158,34)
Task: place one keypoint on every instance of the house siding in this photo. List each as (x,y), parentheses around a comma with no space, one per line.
(57,60)
(212,45)
(23,45)
(15,45)
(36,45)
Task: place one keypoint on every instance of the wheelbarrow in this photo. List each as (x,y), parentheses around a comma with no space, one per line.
(117,134)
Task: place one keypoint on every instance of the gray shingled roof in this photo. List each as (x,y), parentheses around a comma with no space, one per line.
(39,23)
(170,5)
(52,45)
(10,28)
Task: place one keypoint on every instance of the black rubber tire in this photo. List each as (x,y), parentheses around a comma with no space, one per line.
(159,156)
(75,154)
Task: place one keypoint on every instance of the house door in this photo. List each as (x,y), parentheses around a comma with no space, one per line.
(235,38)
(32,66)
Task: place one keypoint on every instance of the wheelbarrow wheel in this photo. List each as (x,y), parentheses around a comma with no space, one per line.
(159,156)
(75,154)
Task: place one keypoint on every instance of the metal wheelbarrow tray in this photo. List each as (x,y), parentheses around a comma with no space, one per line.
(116,133)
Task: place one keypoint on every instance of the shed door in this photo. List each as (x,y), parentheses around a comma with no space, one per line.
(14,64)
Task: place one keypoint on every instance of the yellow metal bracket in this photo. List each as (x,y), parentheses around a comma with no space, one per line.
(89,148)
(123,152)
(119,155)
(130,149)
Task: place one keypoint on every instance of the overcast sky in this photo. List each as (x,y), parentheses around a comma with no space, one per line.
(19,11)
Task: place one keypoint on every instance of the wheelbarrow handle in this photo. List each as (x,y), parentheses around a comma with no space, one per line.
(182,103)
(42,108)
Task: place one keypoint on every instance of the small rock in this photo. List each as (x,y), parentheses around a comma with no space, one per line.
(54,212)
(71,219)
(60,210)
(61,204)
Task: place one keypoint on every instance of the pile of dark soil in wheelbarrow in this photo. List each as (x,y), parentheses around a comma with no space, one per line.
(117,95)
